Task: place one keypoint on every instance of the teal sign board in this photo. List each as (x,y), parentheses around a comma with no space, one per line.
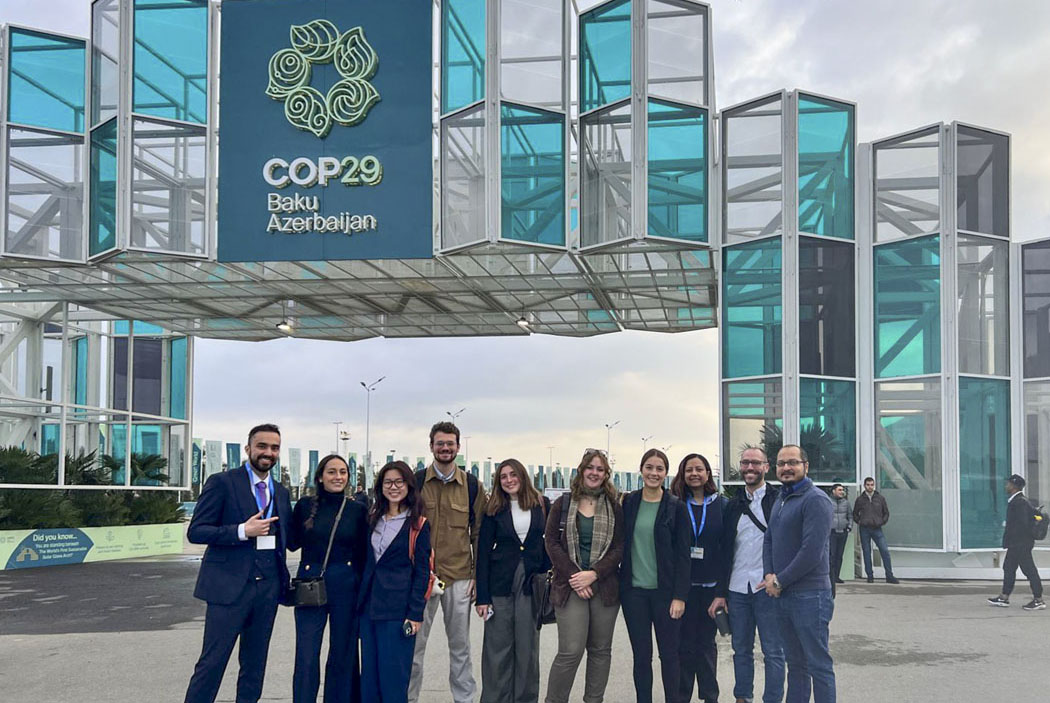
(325,130)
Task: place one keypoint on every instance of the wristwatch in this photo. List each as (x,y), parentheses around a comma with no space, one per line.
(776,584)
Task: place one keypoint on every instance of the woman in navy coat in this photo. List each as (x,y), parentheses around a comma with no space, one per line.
(392,591)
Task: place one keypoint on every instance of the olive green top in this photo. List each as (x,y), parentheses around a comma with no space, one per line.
(643,547)
(585,528)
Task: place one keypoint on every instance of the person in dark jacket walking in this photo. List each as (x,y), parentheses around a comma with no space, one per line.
(510,551)
(654,577)
(313,522)
(841,526)
(395,582)
(698,659)
(1018,541)
(795,557)
(871,512)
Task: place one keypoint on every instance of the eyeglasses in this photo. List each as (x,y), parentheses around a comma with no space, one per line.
(394,483)
(790,462)
(753,462)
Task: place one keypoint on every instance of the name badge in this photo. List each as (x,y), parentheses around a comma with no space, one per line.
(696,553)
(266,542)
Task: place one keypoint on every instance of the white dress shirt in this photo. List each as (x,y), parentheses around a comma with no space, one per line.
(747,575)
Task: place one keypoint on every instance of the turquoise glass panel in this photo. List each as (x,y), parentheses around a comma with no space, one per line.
(605,55)
(753,417)
(121,327)
(908,308)
(49,439)
(46,79)
(825,167)
(171,59)
(751,309)
(80,370)
(984,459)
(532,162)
(677,171)
(828,429)
(177,378)
(113,442)
(463,53)
(103,211)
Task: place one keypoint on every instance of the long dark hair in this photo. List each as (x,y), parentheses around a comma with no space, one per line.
(413,502)
(319,486)
(528,497)
(678,487)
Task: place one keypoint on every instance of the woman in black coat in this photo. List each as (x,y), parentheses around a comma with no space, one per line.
(510,551)
(312,522)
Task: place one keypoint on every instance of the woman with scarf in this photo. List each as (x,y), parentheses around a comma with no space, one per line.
(584,539)
(698,660)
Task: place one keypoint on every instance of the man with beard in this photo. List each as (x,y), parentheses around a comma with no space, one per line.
(795,557)
(746,518)
(242,515)
(455,503)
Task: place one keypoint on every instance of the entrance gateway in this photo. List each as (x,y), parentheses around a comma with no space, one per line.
(256,168)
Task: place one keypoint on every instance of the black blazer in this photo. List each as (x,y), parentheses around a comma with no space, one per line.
(392,588)
(1018,532)
(500,550)
(673,535)
(226,502)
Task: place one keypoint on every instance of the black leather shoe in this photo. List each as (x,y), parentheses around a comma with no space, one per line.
(871,579)
(892,579)
(839,581)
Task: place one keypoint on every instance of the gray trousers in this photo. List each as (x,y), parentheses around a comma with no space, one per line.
(510,656)
(583,625)
(455,606)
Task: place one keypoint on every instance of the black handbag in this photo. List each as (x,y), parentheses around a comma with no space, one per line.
(311,593)
(542,608)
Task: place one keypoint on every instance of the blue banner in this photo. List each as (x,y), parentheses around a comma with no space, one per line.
(233,455)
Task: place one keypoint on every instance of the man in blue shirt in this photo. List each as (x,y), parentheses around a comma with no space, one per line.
(795,559)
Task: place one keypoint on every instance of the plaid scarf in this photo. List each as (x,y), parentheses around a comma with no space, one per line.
(604,525)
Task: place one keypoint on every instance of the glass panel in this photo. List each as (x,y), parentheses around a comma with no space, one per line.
(751,309)
(119,375)
(984,460)
(532,163)
(605,55)
(909,461)
(677,171)
(141,328)
(171,59)
(147,376)
(530,51)
(102,233)
(46,81)
(463,49)
(1035,285)
(753,171)
(828,429)
(113,448)
(105,50)
(827,325)
(825,167)
(907,188)
(45,187)
(1037,440)
(176,471)
(908,308)
(80,370)
(605,179)
(984,306)
(754,417)
(982,161)
(177,378)
(49,439)
(463,178)
(168,188)
(677,51)
(148,456)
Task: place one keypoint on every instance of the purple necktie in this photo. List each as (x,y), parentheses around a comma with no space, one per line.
(260,492)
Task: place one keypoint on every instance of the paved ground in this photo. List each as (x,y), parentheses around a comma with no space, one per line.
(130,631)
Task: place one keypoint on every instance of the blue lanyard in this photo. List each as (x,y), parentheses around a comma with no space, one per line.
(268,507)
(703,517)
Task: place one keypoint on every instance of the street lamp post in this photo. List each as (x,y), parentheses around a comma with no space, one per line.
(337,426)
(454,415)
(369,387)
(466,450)
(645,443)
(608,436)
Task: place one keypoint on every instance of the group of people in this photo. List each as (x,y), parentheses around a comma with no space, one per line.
(679,562)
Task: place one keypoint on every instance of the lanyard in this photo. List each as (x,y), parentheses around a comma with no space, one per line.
(268,507)
(703,518)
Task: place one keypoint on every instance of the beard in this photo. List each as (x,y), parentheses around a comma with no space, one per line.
(253,461)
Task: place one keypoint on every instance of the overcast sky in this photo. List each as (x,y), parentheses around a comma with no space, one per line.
(905,63)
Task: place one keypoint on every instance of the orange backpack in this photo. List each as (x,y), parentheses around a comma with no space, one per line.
(413,534)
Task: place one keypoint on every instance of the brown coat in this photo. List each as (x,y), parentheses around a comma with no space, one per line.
(608,567)
(452,536)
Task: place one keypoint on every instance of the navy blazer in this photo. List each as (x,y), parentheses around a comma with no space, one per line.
(500,550)
(227,501)
(393,587)
(673,536)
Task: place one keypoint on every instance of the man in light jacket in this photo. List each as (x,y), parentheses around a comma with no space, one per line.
(841,525)
(871,512)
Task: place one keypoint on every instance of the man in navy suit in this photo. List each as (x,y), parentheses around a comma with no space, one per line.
(242,515)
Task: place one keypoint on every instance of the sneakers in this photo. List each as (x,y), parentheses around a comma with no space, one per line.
(1036,604)
(892,579)
(1001,602)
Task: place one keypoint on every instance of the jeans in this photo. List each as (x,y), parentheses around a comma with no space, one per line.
(875,533)
(804,618)
(746,611)
(646,611)
(1021,558)
(837,547)
(457,609)
(386,660)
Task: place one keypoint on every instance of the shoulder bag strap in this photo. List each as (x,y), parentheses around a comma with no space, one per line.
(759,525)
(331,537)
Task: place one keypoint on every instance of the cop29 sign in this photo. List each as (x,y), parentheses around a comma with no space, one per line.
(325,130)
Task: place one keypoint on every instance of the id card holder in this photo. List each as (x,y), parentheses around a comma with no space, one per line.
(696,552)
(266,542)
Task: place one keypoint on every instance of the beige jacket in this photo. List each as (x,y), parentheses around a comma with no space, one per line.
(452,537)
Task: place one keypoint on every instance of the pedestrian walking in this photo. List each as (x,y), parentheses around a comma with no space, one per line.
(1019,541)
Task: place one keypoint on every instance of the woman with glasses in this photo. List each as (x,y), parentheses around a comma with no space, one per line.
(329,515)
(695,486)
(510,551)
(654,577)
(397,575)
(584,538)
